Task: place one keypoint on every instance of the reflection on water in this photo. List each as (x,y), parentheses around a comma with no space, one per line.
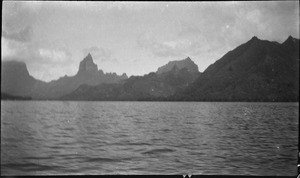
(39,137)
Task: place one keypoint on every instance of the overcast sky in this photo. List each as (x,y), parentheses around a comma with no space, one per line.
(135,38)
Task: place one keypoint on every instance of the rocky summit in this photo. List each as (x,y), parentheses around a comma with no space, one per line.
(16,80)
(258,70)
(87,66)
(152,86)
(185,63)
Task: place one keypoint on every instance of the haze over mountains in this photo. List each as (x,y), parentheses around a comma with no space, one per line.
(152,86)
(15,80)
(258,70)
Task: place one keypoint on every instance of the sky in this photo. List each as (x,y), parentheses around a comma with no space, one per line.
(135,37)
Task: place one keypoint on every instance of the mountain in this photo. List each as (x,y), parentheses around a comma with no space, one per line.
(88,73)
(186,63)
(87,66)
(291,46)
(17,81)
(15,78)
(258,70)
(153,86)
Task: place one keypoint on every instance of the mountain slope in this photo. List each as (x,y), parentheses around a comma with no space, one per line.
(16,80)
(258,70)
(152,86)
(186,63)
(88,73)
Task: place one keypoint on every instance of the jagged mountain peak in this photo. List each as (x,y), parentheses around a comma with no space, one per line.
(259,70)
(290,40)
(88,58)
(254,38)
(188,59)
(291,45)
(87,65)
(124,75)
(100,71)
(185,63)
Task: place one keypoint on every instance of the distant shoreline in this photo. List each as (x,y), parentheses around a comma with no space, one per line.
(5,96)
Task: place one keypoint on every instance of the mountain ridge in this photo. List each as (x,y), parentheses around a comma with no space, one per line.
(257,70)
(151,86)
(185,63)
(23,84)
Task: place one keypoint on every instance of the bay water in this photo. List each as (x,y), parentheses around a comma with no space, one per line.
(211,138)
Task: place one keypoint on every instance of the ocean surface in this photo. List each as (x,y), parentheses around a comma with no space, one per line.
(211,138)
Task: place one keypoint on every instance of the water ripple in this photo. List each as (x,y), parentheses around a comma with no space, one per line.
(42,138)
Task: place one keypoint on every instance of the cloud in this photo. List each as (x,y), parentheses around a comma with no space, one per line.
(223,26)
(18,49)
(34,52)
(46,63)
(147,41)
(99,53)
(189,41)
(53,55)
(6,51)
(45,60)
(48,73)
(23,35)
(204,31)
(188,28)
(18,17)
